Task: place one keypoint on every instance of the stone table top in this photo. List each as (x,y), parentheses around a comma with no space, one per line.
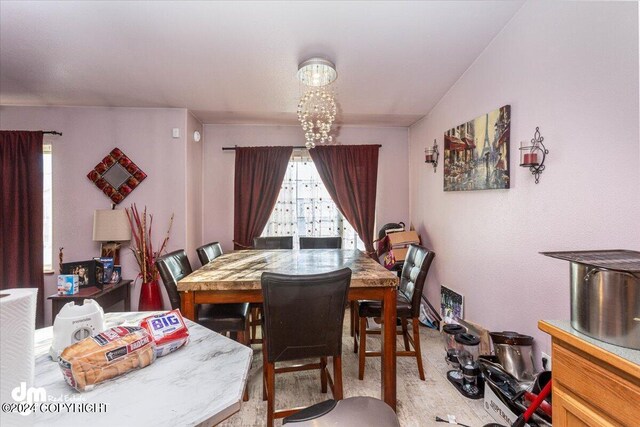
(241,270)
(199,384)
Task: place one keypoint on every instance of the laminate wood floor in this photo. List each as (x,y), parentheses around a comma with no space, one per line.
(419,402)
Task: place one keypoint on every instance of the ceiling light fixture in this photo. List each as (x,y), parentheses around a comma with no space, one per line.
(317,72)
(317,106)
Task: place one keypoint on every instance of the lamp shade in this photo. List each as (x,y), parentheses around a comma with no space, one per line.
(111,225)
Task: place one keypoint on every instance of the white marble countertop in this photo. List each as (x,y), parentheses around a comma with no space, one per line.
(200,384)
(626,353)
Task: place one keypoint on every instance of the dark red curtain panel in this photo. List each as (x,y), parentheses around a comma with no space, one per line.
(21,246)
(258,178)
(350,173)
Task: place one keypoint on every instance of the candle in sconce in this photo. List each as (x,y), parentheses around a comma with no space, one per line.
(428,158)
(531,159)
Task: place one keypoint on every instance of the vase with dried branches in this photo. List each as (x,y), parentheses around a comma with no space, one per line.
(146,256)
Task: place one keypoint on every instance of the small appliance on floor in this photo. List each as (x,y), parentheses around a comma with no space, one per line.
(452,348)
(526,416)
(74,323)
(467,378)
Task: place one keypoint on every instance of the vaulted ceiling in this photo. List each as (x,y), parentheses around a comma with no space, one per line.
(236,62)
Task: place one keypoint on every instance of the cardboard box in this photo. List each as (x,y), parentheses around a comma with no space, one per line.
(68,284)
(496,408)
(399,254)
(501,413)
(404,238)
(394,256)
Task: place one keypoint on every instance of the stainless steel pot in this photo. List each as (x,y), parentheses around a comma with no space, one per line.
(605,304)
(515,354)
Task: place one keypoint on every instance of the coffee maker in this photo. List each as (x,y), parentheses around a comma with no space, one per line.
(453,349)
(472,385)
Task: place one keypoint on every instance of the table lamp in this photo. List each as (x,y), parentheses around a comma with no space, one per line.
(111,227)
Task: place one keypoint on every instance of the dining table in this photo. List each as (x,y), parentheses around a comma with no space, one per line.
(236,277)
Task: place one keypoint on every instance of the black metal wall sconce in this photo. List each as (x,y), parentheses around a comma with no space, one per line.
(533,154)
(431,155)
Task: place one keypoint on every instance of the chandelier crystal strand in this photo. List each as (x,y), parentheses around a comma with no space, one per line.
(316,113)
(317,107)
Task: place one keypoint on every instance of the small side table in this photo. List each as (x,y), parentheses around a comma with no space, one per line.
(106,297)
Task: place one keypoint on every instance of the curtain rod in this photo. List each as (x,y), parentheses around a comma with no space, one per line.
(52,132)
(234,148)
(295,146)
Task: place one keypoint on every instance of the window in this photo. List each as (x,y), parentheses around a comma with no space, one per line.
(47,208)
(304,207)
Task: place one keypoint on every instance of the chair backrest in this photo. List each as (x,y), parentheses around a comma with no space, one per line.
(414,273)
(281,242)
(303,315)
(173,267)
(209,252)
(320,242)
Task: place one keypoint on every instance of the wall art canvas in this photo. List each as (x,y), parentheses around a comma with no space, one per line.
(476,153)
(451,305)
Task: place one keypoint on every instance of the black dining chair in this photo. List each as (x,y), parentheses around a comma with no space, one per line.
(414,274)
(271,242)
(221,318)
(209,252)
(217,317)
(303,318)
(280,242)
(320,242)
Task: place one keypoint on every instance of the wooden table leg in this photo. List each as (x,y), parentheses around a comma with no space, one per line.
(187,305)
(389,347)
(127,297)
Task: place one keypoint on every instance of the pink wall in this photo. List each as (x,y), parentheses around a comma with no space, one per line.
(192,180)
(89,133)
(572,69)
(193,188)
(392,198)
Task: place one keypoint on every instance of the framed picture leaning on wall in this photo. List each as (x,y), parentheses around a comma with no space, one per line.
(90,272)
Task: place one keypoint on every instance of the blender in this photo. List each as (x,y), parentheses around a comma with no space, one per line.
(452,348)
(468,358)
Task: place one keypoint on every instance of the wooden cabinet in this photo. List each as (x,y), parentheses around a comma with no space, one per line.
(592,386)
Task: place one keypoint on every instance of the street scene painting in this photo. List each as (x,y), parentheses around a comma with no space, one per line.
(451,305)
(476,153)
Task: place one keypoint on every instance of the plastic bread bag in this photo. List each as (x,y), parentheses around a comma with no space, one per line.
(167,330)
(106,355)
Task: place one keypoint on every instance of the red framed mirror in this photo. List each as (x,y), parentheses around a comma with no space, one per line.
(116,175)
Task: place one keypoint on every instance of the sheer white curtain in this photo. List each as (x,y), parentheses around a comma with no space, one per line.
(304,207)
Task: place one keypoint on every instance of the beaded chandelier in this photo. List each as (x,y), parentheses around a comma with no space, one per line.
(317,106)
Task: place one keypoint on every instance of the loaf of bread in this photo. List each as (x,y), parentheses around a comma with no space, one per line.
(106,355)
(167,330)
